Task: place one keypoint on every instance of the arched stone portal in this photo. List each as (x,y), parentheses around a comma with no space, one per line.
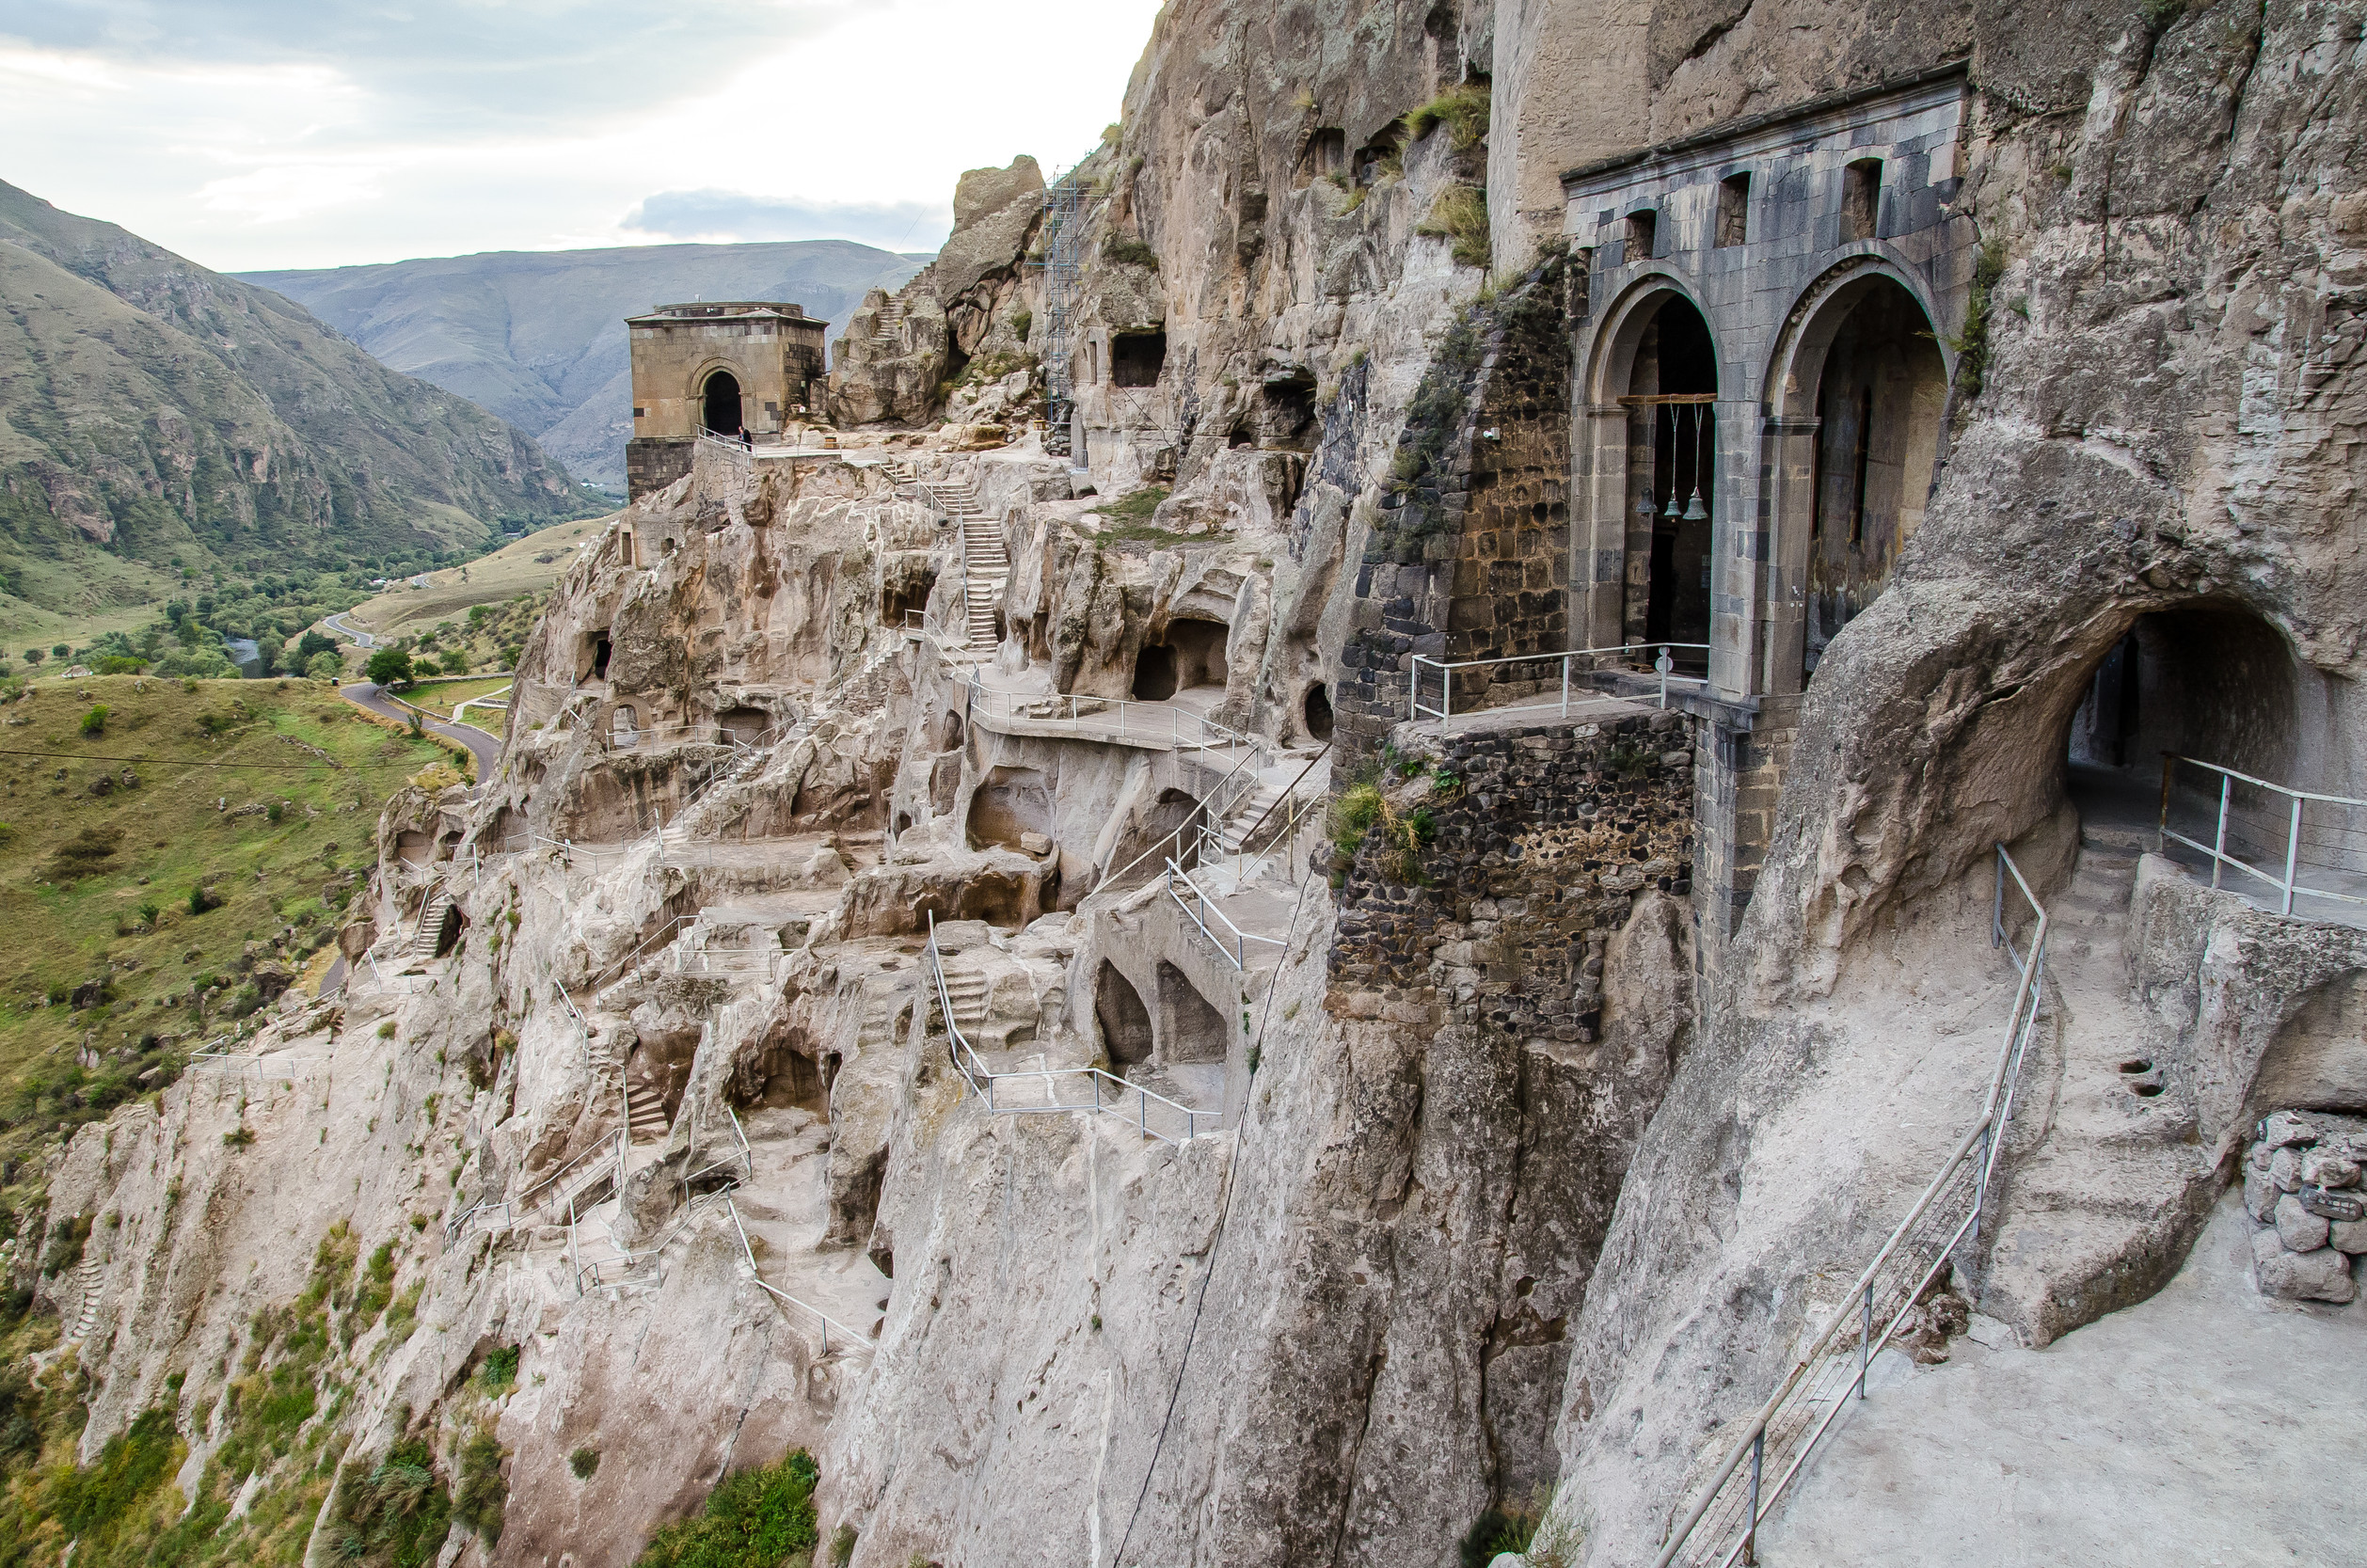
(1670,400)
(719,404)
(1881,394)
(1125,1023)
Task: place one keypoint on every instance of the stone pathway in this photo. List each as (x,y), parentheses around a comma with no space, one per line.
(2208,1427)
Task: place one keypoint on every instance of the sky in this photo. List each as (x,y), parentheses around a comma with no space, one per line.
(254,135)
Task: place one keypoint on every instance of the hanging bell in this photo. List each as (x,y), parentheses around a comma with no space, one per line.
(1647,506)
(1694,510)
(1671,510)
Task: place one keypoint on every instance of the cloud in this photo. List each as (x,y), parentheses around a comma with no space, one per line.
(449,68)
(721,215)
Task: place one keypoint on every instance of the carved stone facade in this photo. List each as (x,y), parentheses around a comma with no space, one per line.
(749,366)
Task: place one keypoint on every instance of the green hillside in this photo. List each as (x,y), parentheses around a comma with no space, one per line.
(538,336)
(259,797)
(158,419)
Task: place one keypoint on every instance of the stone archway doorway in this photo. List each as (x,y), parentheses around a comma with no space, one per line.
(719,404)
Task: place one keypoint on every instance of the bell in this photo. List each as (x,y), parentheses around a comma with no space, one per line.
(1672,511)
(1694,510)
(1647,505)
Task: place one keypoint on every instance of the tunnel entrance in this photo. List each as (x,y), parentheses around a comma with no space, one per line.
(1136,358)
(1673,419)
(1191,1029)
(1125,1023)
(1192,654)
(744,726)
(1879,397)
(719,404)
(599,652)
(2212,683)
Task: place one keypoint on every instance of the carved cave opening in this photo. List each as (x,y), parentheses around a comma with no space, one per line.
(1136,358)
(1124,1021)
(1011,801)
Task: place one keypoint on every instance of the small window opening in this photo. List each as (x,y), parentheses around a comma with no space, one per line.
(625,546)
(1092,362)
(1376,157)
(1241,436)
(1734,211)
(624,727)
(1136,358)
(1861,198)
(1288,417)
(1643,234)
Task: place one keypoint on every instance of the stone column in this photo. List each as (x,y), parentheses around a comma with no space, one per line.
(1734,550)
(1789,510)
(1598,566)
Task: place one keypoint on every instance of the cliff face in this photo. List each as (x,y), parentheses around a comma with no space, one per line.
(827,1052)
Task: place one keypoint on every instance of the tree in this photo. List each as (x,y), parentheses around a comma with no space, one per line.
(389,667)
(95,720)
(60,651)
(313,645)
(34,655)
(325,667)
(456,662)
(268,649)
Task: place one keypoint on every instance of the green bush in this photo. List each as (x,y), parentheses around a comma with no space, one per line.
(395,1512)
(585,1462)
(498,1374)
(389,667)
(1460,215)
(754,1520)
(1462,110)
(482,1494)
(133,1465)
(1496,1531)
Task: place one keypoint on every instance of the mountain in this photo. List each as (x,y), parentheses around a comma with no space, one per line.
(538,336)
(154,413)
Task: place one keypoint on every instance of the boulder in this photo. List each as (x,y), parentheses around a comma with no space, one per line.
(2327,1168)
(2259,1195)
(2321,1275)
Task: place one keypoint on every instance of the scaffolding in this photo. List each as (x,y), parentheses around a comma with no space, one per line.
(1062,251)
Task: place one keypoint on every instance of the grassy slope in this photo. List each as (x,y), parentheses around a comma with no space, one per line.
(65,930)
(514,569)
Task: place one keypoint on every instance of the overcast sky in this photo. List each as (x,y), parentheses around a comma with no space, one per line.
(260,133)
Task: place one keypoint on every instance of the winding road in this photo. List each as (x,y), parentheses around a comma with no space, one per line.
(351,633)
(486,747)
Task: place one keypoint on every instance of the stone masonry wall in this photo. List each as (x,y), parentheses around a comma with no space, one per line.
(1469,557)
(1538,856)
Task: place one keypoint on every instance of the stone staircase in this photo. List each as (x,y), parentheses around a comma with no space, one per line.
(986,562)
(966,990)
(86,1276)
(888,327)
(2088,1208)
(1260,814)
(645,1113)
(430,932)
(680,831)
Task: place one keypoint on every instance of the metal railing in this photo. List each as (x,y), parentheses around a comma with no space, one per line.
(1111,1095)
(862,1342)
(1185,843)
(1722,1526)
(630,1264)
(2252,821)
(1663,664)
(1199,909)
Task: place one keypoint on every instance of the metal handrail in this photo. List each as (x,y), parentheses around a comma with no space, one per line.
(2289,883)
(1215,808)
(982,1079)
(1663,666)
(1239,952)
(631,1260)
(663,937)
(1291,817)
(1789,1413)
(862,1342)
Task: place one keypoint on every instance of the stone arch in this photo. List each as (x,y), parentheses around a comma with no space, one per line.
(1191,1029)
(1125,1025)
(1315,711)
(721,401)
(623,725)
(1638,450)
(1858,385)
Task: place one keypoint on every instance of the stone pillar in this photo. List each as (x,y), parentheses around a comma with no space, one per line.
(1599,559)
(1735,552)
(1789,510)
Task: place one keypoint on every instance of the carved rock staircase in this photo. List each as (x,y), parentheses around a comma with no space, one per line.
(87,1275)
(430,932)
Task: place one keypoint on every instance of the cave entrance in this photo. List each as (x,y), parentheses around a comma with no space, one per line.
(1136,358)
(1672,480)
(1154,672)
(621,729)
(744,726)
(907,597)
(1881,394)
(2218,685)
(1011,801)
(599,652)
(1191,1028)
(1125,1023)
(1317,709)
(719,404)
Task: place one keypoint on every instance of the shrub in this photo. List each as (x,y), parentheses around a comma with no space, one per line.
(483,1495)
(498,1373)
(202,899)
(394,1512)
(585,1462)
(1460,215)
(842,1546)
(1462,110)
(1497,1531)
(389,667)
(754,1520)
(1129,252)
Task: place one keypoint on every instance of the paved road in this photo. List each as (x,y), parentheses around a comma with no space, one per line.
(487,747)
(339,624)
